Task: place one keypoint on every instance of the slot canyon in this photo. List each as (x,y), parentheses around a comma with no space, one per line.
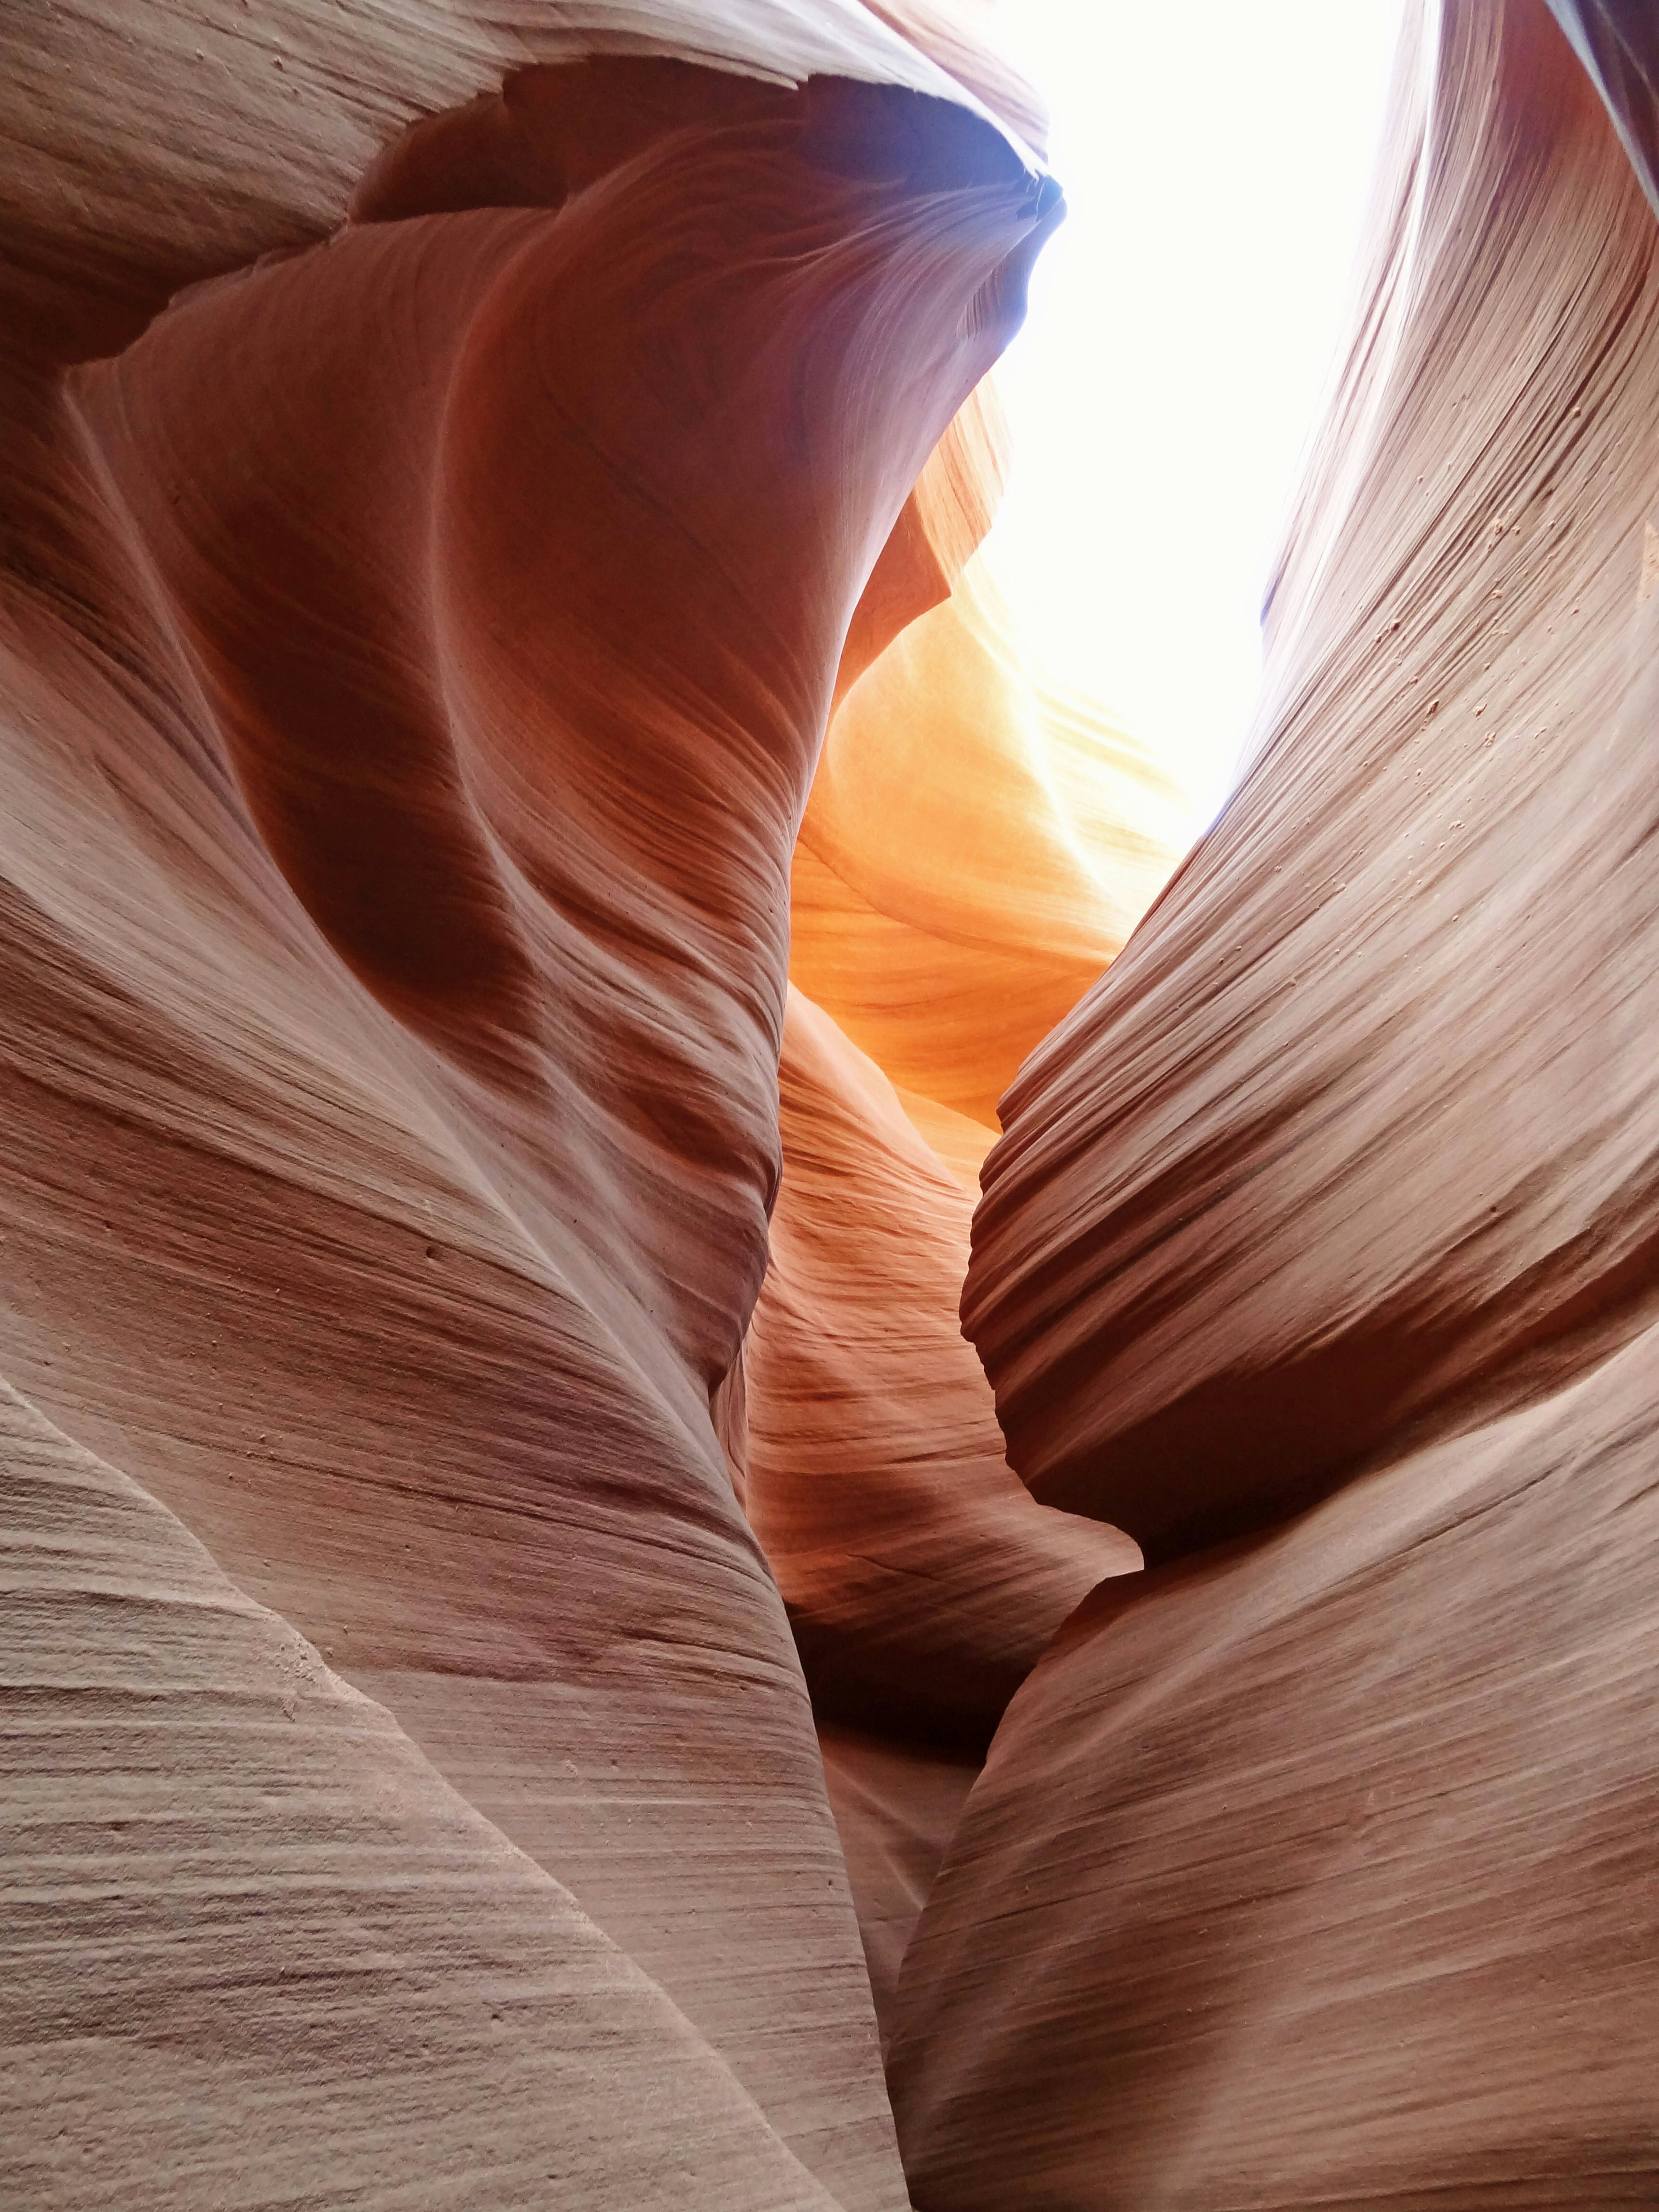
(754,1457)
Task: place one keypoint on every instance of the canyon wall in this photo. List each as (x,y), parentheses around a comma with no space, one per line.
(560,1653)
(418,633)
(1316,1867)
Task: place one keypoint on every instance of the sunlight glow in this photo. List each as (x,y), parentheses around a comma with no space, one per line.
(1217,161)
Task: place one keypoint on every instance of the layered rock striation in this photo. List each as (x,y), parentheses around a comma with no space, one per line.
(1313,1868)
(546,1669)
(1361,1138)
(417,647)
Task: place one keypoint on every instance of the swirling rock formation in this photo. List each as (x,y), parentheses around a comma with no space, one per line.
(1316,1868)
(922,1581)
(1364,983)
(261,1951)
(416,649)
(951,891)
(977,848)
(1325,1875)
(458,463)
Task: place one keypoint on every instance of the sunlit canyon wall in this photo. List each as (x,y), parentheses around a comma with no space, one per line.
(568,1642)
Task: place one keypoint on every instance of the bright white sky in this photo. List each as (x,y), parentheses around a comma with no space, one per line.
(1216,158)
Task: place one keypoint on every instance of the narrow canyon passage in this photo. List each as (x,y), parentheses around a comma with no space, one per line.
(748,1461)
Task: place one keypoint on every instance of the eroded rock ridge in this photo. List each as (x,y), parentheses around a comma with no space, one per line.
(576,1623)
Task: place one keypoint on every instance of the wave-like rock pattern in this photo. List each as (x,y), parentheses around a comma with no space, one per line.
(922,1581)
(415,652)
(1355,1136)
(978,845)
(416,634)
(992,824)
(262,1952)
(1315,1868)
(896,1803)
(1618,42)
(1324,1877)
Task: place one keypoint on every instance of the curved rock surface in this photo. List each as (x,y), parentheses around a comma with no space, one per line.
(1325,1875)
(1618,42)
(1356,1135)
(896,1804)
(977,848)
(415,652)
(922,1581)
(414,2012)
(458,463)
(993,826)
(151,144)
(1315,1867)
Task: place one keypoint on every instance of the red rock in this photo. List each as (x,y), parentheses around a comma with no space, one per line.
(922,1581)
(417,639)
(1616,41)
(1324,1873)
(977,830)
(1351,1141)
(415,652)
(896,1802)
(976,849)
(258,1949)
(1316,1868)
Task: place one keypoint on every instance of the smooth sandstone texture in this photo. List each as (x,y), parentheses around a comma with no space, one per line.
(415,650)
(253,1931)
(156,141)
(996,824)
(977,849)
(1618,42)
(1317,1869)
(896,1804)
(1358,1134)
(1325,1875)
(922,1581)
